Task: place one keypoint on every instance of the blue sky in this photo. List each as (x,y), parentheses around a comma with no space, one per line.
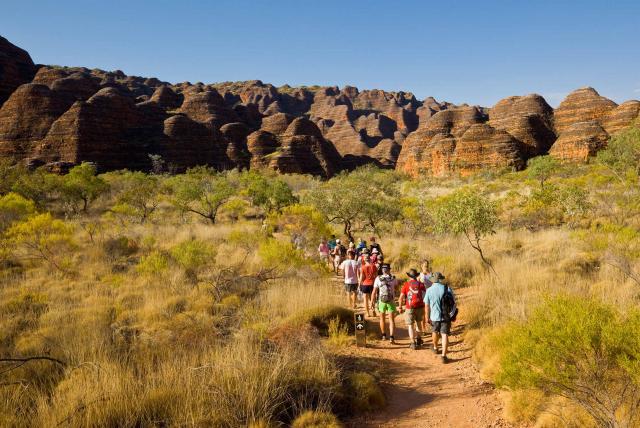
(461,51)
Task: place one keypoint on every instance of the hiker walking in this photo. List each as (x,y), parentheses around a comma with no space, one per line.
(374,245)
(384,297)
(425,278)
(441,311)
(323,251)
(339,252)
(366,278)
(412,296)
(362,245)
(350,270)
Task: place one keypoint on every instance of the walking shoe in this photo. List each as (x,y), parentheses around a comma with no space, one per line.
(384,337)
(435,351)
(419,341)
(392,340)
(445,360)
(413,346)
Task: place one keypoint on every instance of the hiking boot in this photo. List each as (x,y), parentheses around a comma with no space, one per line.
(435,351)
(384,337)
(413,346)
(419,341)
(445,360)
(392,340)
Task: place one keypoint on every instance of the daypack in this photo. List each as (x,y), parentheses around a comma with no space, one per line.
(343,250)
(385,291)
(448,309)
(415,296)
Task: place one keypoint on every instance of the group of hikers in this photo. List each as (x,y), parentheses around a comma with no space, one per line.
(423,298)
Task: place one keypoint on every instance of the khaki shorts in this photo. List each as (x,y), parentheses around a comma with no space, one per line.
(414,315)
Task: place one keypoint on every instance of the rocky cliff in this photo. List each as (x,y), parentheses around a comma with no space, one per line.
(62,115)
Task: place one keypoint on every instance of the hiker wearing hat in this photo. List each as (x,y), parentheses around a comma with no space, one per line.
(374,245)
(374,256)
(383,296)
(441,311)
(412,295)
(366,278)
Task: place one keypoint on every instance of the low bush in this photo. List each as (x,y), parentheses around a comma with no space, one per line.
(311,419)
(321,318)
(364,392)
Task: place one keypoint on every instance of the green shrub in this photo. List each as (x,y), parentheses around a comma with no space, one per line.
(155,263)
(193,256)
(311,419)
(580,349)
(13,208)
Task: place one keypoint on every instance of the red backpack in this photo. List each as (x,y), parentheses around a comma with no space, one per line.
(415,295)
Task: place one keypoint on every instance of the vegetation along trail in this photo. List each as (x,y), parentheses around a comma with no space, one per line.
(422,391)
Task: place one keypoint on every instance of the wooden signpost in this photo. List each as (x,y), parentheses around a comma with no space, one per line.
(361,330)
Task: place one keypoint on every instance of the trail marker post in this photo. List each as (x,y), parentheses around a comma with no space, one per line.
(361,330)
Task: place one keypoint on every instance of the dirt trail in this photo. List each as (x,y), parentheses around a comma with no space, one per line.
(422,391)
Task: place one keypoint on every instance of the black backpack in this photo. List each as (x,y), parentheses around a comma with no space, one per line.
(448,309)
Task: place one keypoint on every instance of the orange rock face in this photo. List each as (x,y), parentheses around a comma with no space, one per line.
(580,141)
(65,115)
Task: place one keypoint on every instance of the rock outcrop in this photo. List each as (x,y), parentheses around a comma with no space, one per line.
(580,141)
(59,116)
(528,119)
(16,68)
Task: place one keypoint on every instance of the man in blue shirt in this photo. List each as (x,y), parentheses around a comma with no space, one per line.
(440,322)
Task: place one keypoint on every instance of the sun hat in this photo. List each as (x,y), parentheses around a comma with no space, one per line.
(412,273)
(337,241)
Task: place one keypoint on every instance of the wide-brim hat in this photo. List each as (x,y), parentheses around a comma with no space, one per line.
(412,273)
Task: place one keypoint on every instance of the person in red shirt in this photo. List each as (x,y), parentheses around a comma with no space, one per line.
(366,277)
(412,295)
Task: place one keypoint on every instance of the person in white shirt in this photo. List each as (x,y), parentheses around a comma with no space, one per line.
(350,269)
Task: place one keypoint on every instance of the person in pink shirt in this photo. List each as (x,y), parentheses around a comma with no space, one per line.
(323,251)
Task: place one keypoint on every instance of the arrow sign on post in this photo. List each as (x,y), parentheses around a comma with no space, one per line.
(361,330)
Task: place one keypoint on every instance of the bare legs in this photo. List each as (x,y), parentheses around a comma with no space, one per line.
(392,323)
(445,342)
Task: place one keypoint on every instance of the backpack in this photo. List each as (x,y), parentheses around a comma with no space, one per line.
(385,293)
(448,308)
(415,296)
(343,250)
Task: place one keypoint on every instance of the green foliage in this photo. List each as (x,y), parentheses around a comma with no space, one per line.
(622,154)
(39,186)
(235,208)
(269,193)
(366,199)
(302,220)
(41,237)
(579,349)
(193,255)
(82,186)
(14,207)
(311,419)
(555,204)
(137,194)
(201,191)
(280,255)
(366,395)
(154,263)
(541,168)
(9,175)
(468,213)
